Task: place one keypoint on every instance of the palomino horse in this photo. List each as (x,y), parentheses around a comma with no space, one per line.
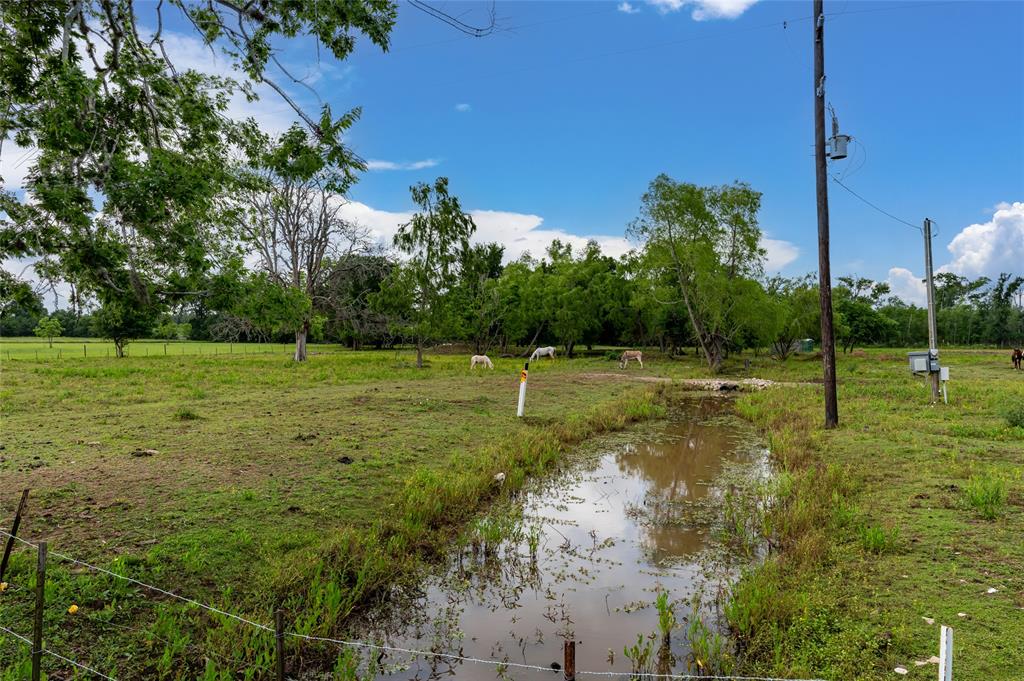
(631,354)
(480,359)
(549,351)
(1018,358)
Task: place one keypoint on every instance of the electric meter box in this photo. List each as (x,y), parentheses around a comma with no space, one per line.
(924,362)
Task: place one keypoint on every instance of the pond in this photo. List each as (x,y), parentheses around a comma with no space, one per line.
(583,555)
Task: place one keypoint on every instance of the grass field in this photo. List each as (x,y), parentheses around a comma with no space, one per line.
(314,486)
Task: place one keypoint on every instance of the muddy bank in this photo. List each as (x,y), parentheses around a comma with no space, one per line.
(585,554)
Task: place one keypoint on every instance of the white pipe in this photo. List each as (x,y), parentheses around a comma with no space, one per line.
(522,389)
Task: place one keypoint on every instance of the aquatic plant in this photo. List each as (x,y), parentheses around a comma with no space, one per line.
(666,617)
(641,656)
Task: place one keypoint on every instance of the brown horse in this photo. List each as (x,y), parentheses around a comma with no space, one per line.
(1018,358)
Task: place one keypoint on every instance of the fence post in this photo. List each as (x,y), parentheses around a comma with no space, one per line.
(14,533)
(85,353)
(279,636)
(522,389)
(569,658)
(37,627)
(946,654)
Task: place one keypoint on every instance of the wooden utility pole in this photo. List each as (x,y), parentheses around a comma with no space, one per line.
(933,331)
(828,343)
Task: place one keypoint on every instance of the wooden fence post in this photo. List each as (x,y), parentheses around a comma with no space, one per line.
(14,533)
(569,650)
(279,636)
(37,627)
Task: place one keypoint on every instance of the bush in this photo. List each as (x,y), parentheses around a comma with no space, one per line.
(877,540)
(1015,415)
(185,414)
(987,494)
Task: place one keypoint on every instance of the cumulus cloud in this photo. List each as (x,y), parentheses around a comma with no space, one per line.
(705,9)
(628,8)
(907,286)
(462,107)
(780,253)
(401,165)
(989,248)
(518,232)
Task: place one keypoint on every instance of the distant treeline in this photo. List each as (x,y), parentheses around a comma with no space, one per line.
(586,298)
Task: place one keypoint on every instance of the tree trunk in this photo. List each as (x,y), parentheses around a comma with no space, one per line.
(419,353)
(300,342)
(119,347)
(50,339)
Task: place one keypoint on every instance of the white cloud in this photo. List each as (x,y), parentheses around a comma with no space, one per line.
(518,232)
(15,163)
(401,165)
(989,248)
(780,253)
(628,8)
(463,107)
(907,286)
(705,9)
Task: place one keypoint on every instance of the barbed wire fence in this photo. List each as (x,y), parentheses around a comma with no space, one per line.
(280,633)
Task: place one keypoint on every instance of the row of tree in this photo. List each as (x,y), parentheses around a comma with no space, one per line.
(695,280)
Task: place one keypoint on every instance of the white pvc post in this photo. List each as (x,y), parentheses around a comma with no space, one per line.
(946,654)
(522,389)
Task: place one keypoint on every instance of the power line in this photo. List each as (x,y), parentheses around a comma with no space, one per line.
(883,212)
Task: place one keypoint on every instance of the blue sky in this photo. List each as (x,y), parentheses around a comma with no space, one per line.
(574,109)
(554,125)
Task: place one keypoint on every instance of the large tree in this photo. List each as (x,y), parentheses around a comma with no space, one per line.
(703,243)
(128,153)
(293,222)
(418,293)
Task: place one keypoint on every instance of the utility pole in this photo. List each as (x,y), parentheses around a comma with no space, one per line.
(933,331)
(828,343)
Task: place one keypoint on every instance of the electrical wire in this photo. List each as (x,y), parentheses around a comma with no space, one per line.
(883,212)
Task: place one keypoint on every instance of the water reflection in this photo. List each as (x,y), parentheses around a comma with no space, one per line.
(585,561)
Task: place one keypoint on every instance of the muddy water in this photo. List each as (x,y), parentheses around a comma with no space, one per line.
(584,556)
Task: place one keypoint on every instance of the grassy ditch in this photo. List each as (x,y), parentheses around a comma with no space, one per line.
(365,469)
(906,517)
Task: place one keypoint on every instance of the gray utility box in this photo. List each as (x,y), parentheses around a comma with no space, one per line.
(924,362)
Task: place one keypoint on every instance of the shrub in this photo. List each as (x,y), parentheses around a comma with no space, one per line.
(987,494)
(877,540)
(185,414)
(1015,415)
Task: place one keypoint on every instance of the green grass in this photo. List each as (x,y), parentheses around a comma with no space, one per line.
(314,487)
(908,510)
(250,507)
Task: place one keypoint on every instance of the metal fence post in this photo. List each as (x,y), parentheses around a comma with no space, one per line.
(37,627)
(14,533)
(946,654)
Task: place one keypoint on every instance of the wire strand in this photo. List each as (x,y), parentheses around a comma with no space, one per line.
(883,212)
(58,655)
(376,646)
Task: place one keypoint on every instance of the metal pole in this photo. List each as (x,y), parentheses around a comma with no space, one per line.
(828,344)
(933,332)
(37,627)
(946,654)
(522,389)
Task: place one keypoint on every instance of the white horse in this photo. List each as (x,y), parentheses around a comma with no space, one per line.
(631,354)
(480,359)
(549,351)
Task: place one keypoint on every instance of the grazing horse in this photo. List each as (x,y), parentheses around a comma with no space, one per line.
(549,351)
(480,359)
(1018,358)
(631,354)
